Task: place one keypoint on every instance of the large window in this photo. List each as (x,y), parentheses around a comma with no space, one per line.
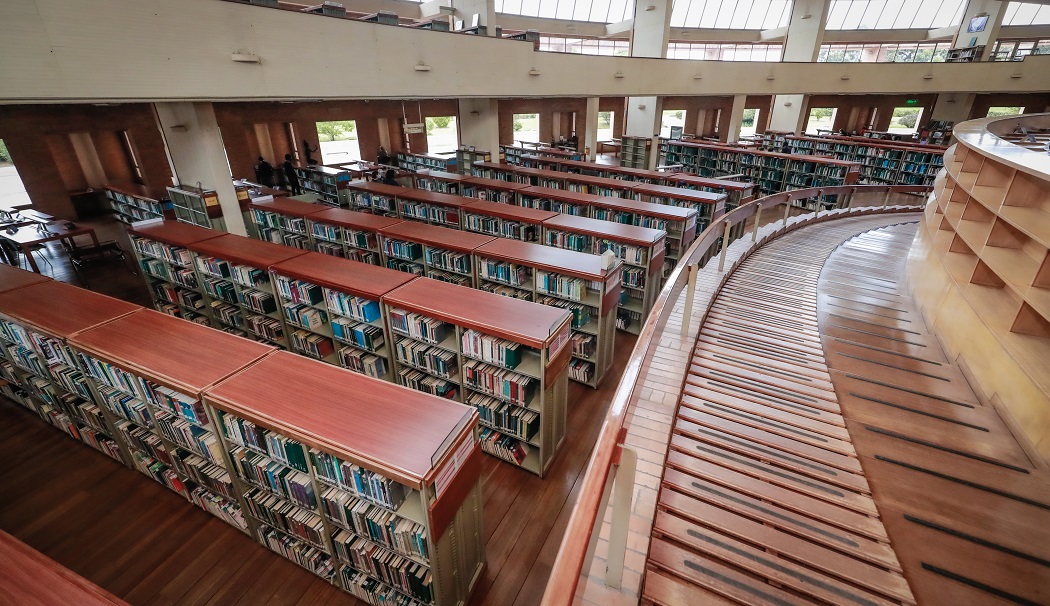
(1027,13)
(12,192)
(585,46)
(748,123)
(712,51)
(884,52)
(605,125)
(731,14)
(820,119)
(671,117)
(600,11)
(527,127)
(894,14)
(338,141)
(996,112)
(442,134)
(905,120)
(1017,50)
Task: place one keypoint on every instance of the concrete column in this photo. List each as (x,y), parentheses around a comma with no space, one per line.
(805,33)
(954,107)
(736,117)
(648,39)
(266,150)
(479,124)
(198,156)
(995,11)
(87,156)
(590,129)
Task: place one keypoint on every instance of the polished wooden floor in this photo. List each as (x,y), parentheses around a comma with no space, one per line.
(141,542)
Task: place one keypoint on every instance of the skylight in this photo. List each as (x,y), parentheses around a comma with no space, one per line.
(1027,13)
(731,14)
(600,11)
(894,14)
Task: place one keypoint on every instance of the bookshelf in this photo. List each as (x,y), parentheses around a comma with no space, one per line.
(161,249)
(338,301)
(440,181)
(708,206)
(358,450)
(373,197)
(509,172)
(634,151)
(408,203)
(283,221)
(557,200)
(437,252)
(881,163)
(132,202)
(233,273)
(964,54)
(328,183)
(147,371)
(12,278)
(465,159)
(505,221)
(197,206)
(505,357)
(679,223)
(641,249)
(347,233)
(736,192)
(41,372)
(493,190)
(417,162)
(595,185)
(566,279)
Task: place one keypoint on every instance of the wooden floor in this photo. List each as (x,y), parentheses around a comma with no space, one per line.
(138,540)
(826,451)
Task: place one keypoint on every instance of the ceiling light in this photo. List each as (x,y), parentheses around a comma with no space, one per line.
(245,58)
(534,72)
(422,67)
(618,75)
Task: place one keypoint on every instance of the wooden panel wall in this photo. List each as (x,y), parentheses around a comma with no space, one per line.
(65,158)
(110,149)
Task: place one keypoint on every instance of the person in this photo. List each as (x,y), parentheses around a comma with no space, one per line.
(574,141)
(309,153)
(389,179)
(264,173)
(383,157)
(290,177)
(786,149)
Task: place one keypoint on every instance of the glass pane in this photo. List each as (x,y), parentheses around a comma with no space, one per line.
(442,134)
(853,15)
(510,6)
(338,141)
(530,8)
(778,15)
(564,9)
(707,19)
(679,9)
(621,10)
(527,127)
(1025,13)
(889,14)
(837,13)
(548,8)
(871,14)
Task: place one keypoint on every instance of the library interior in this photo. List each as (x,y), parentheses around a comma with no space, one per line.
(603,303)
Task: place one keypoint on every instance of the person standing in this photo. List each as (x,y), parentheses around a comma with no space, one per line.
(290,177)
(264,173)
(383,157)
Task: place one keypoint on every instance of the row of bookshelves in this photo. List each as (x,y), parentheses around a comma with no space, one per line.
(337,311)
(131,202)
(327,183)
(289,451)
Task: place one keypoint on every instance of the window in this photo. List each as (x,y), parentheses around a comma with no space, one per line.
(884,52)
(133,160)
(12,191)
(605,125)
(599,11)
(995,112)
(527,127)
(748,123)
(820,118)
(338,141)
(710,51)
(442,134)
(671,117)
(1026,13)
(894,14)
(610,47)
(1017,50)
(731,14)
(905,120)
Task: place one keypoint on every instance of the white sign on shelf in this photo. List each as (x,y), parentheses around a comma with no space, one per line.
(415,128)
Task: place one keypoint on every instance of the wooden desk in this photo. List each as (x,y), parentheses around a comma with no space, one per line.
(27,237)
(30,577)
(614,145)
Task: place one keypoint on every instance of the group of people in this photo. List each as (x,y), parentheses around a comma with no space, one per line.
(267,176)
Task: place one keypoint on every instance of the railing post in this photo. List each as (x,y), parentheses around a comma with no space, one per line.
(623,491)
(787,211)
(687,313)
(725,246)
(820,203)
(886,198)
(758,222)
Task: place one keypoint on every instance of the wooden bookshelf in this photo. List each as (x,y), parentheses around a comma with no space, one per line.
(132,202)
(42,372)
(233,273)
(509,172)
(523,269)
(148,370)
(557,200)
(417,162)
(641,249)
(408,203)
(328,183)
(465,159)
(339,300)
(161,249)
(283,221)
(429,250)
(506,357)
(347,233)
(440,181)
(373,197)
(200,207)
(30,577)
(595,185)
(708,206)
(357,447)
(505,221)
(737,192)
(634,151)
(493,190)
(679,223)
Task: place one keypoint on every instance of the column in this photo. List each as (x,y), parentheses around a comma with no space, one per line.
(953,107)
(590,134)
(479,124)
(805,33)
(198,156)
(736,118)
(88,158)
(648,39)
(995,11)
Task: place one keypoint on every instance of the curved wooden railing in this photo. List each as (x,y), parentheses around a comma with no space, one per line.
(572,555)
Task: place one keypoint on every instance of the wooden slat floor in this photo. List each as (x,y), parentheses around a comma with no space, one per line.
(825,450)
(146,545)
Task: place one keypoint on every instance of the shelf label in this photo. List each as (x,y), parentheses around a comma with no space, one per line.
(455,462)
(559,340)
